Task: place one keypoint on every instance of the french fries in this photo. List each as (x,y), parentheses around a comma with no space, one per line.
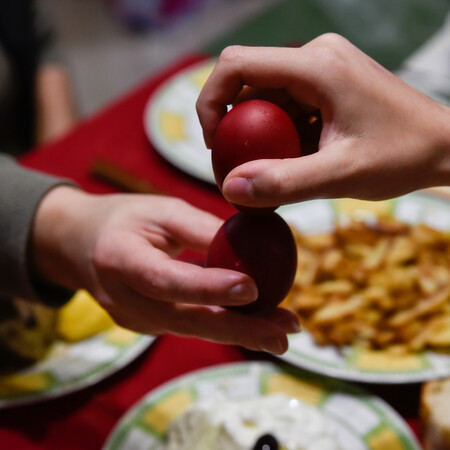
(379,285)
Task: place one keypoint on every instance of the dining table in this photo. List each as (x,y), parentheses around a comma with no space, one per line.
(84,419)
(116,138)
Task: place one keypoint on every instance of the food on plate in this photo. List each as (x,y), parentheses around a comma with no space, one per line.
(239,424)
(254,129)
(266,442)
(26,332)
(261,246)
(381,284)
(435,414)
(81,318)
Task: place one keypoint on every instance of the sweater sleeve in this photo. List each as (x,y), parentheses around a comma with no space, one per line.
(21,191)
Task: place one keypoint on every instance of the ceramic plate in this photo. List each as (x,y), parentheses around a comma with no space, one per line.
(72,367)
(362,421)
(349,363)
(172,125)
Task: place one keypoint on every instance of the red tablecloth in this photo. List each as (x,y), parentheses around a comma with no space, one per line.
(84,419)
(117,134)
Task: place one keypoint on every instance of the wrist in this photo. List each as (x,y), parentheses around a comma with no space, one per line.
(57,244)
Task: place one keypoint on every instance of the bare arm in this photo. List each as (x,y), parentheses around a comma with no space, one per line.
(55,108)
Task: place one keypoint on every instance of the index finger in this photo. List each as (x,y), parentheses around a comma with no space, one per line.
(151,272)
(239,66)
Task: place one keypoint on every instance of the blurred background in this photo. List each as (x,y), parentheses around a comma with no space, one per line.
(67,59)
(111,45)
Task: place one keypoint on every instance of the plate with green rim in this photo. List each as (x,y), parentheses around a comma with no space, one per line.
(172,125)
(351,363)
(70,367)
(377,426)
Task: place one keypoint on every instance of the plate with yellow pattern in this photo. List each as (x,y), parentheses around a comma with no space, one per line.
(361,420)
(86,348)
(172,125)
(351,362)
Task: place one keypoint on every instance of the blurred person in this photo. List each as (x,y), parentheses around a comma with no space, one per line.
(379,137)
(55,238)
(36,103)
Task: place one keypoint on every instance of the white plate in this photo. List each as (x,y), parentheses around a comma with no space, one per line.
(72,367)
(172,125)
(348,363)
(363,421)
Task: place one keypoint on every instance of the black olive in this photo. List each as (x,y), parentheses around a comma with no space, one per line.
(266,442)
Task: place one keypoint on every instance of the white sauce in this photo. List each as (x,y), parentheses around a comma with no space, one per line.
(237,425)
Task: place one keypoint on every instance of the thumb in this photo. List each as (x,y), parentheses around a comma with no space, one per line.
(272,182)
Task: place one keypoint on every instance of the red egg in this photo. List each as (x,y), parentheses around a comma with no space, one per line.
(261,246)
(254,129)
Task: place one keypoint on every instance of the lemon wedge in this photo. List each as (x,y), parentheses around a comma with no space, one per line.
(81,318)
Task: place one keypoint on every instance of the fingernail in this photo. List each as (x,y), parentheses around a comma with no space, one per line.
(290,326)
(244,292)
(273,345)
(238,189)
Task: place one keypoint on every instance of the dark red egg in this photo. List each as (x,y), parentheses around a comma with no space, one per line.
(261,246)
(254,129)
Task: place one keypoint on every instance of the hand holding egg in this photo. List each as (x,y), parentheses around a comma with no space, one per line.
(256,241)
(261,246)
(254,129)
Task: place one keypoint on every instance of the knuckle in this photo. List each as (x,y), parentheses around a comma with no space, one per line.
(176,320)
(156,283)
(278,182)
(332,40)
(331,59)
(174,204)
(230,54)
(175,208)
(102,257)
(286,183)
(280,179)
(332,54)
(178,203)
(203,296)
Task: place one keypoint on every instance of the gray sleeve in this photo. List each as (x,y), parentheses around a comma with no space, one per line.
(21,191)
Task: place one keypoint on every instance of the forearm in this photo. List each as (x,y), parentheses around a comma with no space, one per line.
(55,109)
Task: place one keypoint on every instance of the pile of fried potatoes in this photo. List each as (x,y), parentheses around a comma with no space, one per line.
(379,285)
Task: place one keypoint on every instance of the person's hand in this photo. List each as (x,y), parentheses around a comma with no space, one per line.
(121,248)
(380,137)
